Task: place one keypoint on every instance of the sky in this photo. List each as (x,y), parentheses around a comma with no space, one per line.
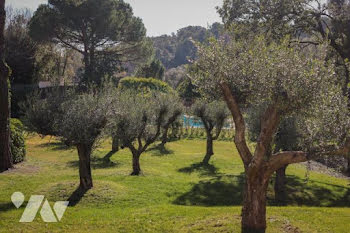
(159,16)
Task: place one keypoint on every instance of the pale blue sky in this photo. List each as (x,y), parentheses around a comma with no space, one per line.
(159,16)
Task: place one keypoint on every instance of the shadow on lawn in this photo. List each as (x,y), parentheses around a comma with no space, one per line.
(56,146)
(96,163)
(76,196)
(10,206)
(223,190)
(203,169)
(160,150)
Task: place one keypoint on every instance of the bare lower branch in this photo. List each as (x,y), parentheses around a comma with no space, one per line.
(238,119)
(282,159)
(269,124)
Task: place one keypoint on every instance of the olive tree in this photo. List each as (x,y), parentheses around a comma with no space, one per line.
(77,118)
(283,81)
(310,22)
(138,120)
(213,116)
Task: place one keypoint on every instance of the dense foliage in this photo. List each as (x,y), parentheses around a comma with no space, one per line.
(106,33)
(144,84)
(78,118)
(154,69)
(20,49)
(187,90)
(179,49)
(17,141)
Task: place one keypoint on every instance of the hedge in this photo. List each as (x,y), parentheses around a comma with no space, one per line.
(17,142)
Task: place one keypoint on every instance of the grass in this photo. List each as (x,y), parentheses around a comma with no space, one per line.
(174,194)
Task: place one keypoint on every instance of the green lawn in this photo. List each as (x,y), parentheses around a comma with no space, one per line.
(173,195)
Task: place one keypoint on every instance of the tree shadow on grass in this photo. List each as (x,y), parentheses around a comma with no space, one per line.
(315,193)
(203,169)
(55,146)
(223,190)
(10,206)
(96,163)
(160,150)
(76,196)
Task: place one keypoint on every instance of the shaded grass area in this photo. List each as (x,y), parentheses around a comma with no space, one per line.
(175,194)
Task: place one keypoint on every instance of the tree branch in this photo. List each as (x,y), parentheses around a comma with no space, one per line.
(282,159)
(269,124)
(238,119)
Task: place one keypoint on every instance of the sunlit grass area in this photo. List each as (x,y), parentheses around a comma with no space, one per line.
(174,194)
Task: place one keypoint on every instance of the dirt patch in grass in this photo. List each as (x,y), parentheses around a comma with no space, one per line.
(23,168)
(288,228)
(226,223)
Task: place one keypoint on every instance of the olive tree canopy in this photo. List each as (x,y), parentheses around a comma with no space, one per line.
(78,118)
(283,80)
(139,118)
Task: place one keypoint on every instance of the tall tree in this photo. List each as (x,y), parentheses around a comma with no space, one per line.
(283,81)
(105,32)
(5,152)
(20,49)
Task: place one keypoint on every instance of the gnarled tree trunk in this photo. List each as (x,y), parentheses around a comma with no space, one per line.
(115,144)
(84,152)
(210,151)
(165,137)
(136,169)
(280,186)
(348,168)
(5,152)
(254,205)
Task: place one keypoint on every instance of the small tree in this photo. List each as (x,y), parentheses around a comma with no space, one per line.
(77,118)
(138,122)
(213,116)
(283,81)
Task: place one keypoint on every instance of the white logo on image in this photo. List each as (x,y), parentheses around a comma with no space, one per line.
(33,207)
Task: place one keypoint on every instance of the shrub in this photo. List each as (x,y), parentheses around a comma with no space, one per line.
(17,143)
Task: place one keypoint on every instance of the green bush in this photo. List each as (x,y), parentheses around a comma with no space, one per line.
(18,148)
(144,84)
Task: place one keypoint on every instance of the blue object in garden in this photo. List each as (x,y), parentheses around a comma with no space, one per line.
(192,122)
